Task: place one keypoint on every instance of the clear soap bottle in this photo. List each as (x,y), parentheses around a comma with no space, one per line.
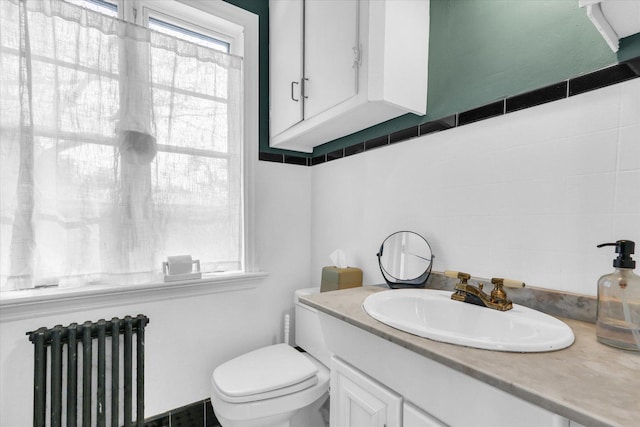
(618,316)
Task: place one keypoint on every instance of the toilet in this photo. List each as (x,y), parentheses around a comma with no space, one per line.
(277,386)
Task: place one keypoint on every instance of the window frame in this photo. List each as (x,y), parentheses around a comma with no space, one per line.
(15,305)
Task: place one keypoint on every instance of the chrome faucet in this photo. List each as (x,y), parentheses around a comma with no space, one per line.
(496,300)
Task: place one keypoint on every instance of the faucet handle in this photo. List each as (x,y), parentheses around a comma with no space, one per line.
(458,275)
(498,293)
(507,283)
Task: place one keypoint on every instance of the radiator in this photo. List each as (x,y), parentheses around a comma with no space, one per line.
(57,350)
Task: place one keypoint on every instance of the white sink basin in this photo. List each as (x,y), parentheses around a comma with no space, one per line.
(433,314)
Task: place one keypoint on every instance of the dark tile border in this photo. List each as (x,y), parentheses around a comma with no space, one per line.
(271,157)
(537,97)
(296,160)
(191,416)
(481,113)
(334,155)
(197,414)
(614,74)
(284,158)
(354,149)
(403,135)
(606,77)
(376,142)
(318,159)
(439,125)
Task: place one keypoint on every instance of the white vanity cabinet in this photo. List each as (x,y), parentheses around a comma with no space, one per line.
(359,401)
(415,417)
(431,394)
(340,66)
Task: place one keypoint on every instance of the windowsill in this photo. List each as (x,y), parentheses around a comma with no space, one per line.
(32,303)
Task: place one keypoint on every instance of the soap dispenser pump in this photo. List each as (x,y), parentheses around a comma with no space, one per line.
(618,315)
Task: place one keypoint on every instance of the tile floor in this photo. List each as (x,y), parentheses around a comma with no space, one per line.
(198,414)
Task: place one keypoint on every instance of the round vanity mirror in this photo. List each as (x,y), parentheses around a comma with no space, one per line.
(405,260)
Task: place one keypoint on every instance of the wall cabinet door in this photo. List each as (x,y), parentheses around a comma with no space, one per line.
(331,47)
(359,401)
(285,65)
(313,51)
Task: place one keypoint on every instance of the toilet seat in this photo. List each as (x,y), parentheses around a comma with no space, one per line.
(265,373)
(258,412)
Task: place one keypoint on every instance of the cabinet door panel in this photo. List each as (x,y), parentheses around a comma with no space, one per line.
(358,401)
(331,34)
(285,64)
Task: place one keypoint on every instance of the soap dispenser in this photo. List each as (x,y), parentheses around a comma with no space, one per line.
(618,316)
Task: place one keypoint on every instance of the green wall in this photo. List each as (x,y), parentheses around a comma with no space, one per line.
(480,51)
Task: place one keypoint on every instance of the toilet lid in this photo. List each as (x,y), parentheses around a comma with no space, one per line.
(266,370)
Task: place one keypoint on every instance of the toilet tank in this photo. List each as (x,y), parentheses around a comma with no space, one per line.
(308,334)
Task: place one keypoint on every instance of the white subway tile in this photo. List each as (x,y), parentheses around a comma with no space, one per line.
(542,233)
(628,193)
(629,148)
(526,195)
(591,153)
(590,112)
(630,102)
(627,227)
(590,194)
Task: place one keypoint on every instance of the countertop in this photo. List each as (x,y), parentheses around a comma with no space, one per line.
(588,382)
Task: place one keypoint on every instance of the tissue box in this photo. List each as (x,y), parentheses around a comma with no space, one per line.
(334,278)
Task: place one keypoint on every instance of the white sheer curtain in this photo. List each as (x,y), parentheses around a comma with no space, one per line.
(119,146)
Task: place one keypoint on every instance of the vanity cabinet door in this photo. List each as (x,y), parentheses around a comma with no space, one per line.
(359,401)
(414,417)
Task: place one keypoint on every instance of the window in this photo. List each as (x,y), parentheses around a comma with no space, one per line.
(122,145)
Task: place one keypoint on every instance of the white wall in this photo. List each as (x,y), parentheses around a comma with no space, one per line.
(188,337)
(526,196)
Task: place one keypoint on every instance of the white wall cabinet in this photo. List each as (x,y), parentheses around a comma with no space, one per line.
(359,401)
(340,66)
(614,19)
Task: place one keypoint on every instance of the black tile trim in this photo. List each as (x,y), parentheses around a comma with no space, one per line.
(197,414)
(334,155)
(295,160)
(318,159)
(404,134)
(189,416)
(271,157)
(481,113)
(159,421)
(634,65)
(606,77)
(376,142)
(537,97)
(211,420)
(618,73)
(438,125)
(354,149)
